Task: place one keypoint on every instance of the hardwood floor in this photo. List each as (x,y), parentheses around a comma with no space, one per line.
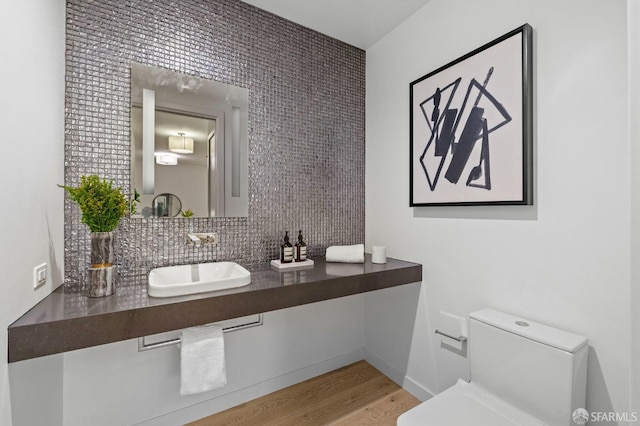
(354,395)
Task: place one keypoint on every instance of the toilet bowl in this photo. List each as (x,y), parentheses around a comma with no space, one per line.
(466,404)
(522,373)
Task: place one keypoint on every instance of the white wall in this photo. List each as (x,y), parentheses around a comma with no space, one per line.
(634,138)
(564,261)
(32,108)
(188,182)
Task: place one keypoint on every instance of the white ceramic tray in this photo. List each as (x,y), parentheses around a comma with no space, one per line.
(292,265)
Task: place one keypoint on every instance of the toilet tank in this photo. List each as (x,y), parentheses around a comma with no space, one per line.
(539,369)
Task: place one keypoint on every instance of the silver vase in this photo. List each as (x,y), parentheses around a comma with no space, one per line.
(101,277)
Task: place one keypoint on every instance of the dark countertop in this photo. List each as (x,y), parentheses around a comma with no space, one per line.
(66,321)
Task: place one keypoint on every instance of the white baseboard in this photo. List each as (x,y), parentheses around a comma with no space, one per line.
(416,389)
(223,402)
(413,387)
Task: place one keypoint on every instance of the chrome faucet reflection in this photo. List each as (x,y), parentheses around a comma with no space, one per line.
(193,240)
(200,238)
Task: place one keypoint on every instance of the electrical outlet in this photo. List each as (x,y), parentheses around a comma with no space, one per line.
(39,275)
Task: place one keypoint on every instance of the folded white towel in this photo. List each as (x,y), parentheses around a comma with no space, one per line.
(346,254)
(202,363)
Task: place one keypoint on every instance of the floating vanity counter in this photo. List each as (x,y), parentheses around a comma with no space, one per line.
(66,321)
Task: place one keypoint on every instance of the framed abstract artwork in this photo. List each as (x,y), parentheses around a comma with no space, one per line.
(471,127)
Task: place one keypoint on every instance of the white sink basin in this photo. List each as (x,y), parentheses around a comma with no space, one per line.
(198,278)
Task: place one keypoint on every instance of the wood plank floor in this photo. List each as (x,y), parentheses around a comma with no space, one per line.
(354,395)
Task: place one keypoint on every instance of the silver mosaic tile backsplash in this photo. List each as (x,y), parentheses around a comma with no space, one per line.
(306,126)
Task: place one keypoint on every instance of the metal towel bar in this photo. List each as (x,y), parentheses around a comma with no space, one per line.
(142,346)
(460,339)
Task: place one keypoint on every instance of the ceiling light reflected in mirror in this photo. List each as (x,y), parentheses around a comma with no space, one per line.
(181,144)
(166,159)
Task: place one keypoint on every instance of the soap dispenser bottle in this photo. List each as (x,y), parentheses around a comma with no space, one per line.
(300,249)
(286,250)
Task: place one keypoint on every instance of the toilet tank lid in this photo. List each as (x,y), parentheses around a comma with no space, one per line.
(541,333)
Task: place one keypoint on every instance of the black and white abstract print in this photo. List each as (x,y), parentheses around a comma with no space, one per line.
(467,129)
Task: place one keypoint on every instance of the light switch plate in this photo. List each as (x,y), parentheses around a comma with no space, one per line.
(39,275)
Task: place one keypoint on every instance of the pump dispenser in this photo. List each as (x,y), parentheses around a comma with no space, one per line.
(286,250)
(300,249)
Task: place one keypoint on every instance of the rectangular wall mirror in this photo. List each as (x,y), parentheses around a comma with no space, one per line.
(189,145)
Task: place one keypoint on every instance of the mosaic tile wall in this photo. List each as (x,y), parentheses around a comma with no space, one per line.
(306,126)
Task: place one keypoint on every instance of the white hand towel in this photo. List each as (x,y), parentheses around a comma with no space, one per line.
(202,363)
(346,254)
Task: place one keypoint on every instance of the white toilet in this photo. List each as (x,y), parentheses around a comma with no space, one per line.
(522,373)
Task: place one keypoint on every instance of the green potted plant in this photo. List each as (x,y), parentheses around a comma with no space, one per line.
(186,213)
(102,206)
